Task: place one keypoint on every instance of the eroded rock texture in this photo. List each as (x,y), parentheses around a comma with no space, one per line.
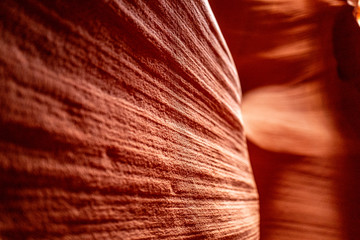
(120,120)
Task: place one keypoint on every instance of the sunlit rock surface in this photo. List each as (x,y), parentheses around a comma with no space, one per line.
(298,63)
(120,120)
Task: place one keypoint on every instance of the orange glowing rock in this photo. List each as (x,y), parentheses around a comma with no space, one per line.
(356,5)
(295,103)
(357,14)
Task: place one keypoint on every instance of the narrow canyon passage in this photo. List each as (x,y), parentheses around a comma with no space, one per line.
(126,119)
(298,63)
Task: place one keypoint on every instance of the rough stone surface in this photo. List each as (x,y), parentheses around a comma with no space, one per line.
(120,120)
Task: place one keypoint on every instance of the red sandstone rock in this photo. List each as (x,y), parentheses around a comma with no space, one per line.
(120,120)
(288,55)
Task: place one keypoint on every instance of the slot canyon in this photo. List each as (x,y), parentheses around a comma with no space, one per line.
(133,119)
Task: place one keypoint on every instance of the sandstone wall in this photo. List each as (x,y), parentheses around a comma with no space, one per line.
(120,120)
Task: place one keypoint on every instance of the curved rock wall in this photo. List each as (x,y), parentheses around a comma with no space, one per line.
(120,120)
(299,63)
